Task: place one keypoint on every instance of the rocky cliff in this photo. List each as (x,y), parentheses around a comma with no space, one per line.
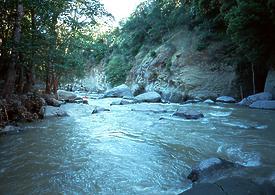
(179,71)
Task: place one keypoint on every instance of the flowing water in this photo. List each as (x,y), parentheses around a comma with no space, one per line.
(130,151)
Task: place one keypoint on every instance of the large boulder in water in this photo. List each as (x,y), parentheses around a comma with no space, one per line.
(66,95)
(257,97)
(51,101)
(226,99)
(149,97)
(119,91)
(51,111)
(264,104)
(188,114)
(209,167)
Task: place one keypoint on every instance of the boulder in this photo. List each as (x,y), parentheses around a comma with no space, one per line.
(226,99)
(119,91)
(209,167)
(257,97)
(149,97)
(53,102)
(98,109)
(116,102)
(66,95)
(188,114)
(51,111)
(172,95)
(264,104)
(209,101)
(232,185)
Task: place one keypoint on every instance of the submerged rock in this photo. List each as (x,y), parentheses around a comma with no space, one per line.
(151,97)
(264,104)
(257,97)
(51,111)
(98,109)
(232,186)
(188,114)
(119,91)
(209,167)
(226,99)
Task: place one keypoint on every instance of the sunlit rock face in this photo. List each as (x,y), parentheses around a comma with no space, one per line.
(179,72)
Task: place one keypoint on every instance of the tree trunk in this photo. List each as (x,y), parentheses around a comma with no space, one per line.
(253,78)
(11,76)
(29,69)
(50,67)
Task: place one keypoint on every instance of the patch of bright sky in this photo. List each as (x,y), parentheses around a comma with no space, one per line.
(120,9)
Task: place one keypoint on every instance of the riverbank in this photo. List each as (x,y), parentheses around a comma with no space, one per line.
(21,108)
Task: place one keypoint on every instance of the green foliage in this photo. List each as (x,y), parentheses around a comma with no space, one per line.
(153,54)
(117,70)
(56,35)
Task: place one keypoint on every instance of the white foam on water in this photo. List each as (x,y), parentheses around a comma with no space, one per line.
(220,114)
(237,124)
(248,159)
(261,127)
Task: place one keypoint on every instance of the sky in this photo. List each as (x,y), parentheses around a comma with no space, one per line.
(120,8)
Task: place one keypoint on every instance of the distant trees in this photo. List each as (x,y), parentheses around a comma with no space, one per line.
(46,39)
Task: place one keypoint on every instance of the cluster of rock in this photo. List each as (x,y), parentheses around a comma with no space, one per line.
(260,101)
(214,176)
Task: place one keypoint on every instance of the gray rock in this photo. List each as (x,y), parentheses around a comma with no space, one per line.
(53,102)
(257,97)
(66,95)
(208,167)
(172,95)
(226,99)
(188,114)
(149,97)
(51,111)
(116,103)
(127,101)
(98,109)
(264,104)
(230,186)
(209,101)
(119,91)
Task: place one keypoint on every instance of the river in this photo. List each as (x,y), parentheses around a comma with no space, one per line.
(130,151)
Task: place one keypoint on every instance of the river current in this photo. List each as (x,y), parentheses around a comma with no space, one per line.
(129,150)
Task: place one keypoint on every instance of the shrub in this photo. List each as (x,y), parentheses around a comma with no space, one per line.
(117,70)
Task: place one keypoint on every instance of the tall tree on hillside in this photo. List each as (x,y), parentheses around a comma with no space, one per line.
(11,76)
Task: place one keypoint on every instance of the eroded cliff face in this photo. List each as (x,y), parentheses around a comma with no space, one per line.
(178,71)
